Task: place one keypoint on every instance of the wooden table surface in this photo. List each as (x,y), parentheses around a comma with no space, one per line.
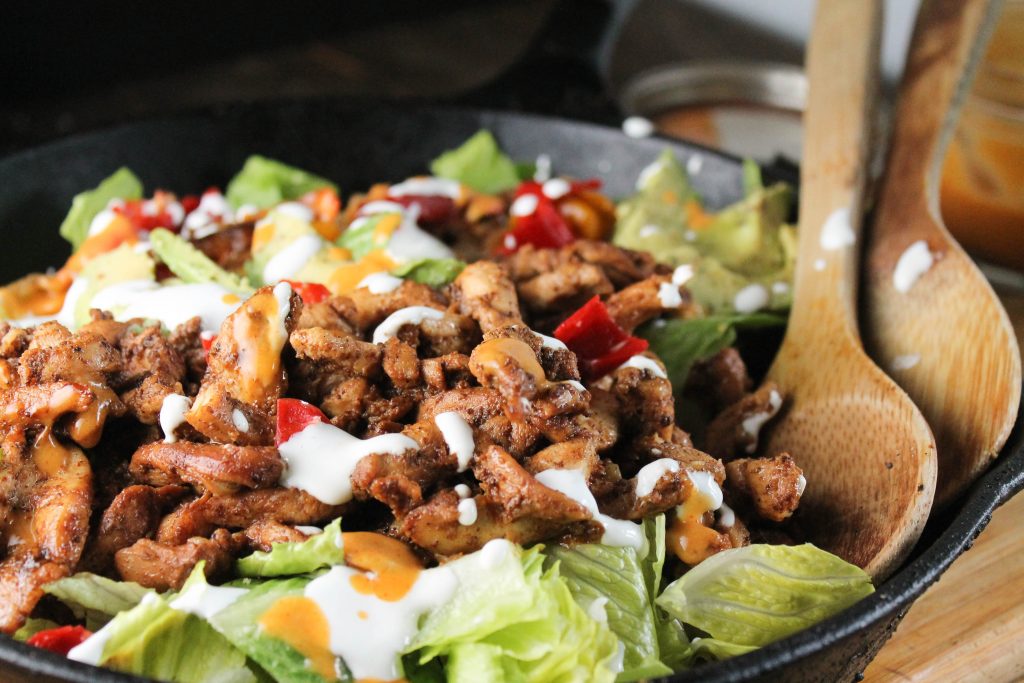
(968,627)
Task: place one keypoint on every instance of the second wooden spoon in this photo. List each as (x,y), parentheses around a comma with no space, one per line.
(868,454)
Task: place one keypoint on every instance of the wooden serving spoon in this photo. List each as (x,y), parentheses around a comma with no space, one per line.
(868,454)
(944,336)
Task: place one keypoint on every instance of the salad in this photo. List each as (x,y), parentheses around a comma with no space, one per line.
(482,424)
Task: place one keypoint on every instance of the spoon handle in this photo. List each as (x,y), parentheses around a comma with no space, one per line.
(948,42)
(842,69)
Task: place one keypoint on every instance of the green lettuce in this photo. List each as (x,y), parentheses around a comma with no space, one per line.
(627,583)
(95,599)
(155,640)
(478,163)
(264,182)
(122,184)
(516,621)
(752,596)
(434,272)
(33,626)
(288,559)
(193,266)
(362,239)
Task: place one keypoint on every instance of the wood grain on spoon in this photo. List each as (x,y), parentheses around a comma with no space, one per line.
(868,454)
(944,336)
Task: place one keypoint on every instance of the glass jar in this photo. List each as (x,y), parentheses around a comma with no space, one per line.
(982,187)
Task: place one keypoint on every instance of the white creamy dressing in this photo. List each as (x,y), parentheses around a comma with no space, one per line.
(90,651)
(837,231)
(66,315)
(467,512)
(694,164)
(644,363)
(524,205)
(704,483)
(411,315)
(596,610)
(30,320)
(649,230)
(819,264)
(296,210)
(651,473)
(380,283)
(542,173)
(780,288)
(246,212)
(914,262)
(462,491)
(172,414)
(556,188)
(458,436)
(801,485)
(427,186)
(575,384)
(906,361)
(410,243)
(213,208)
(753,423)
(726,517)
(638,127)
(647,173)
(102,221)
(240,421)
(551,343)
(283,295)
(369,633)
(379,206)
(320,459)
(287,263)
(751,298)
(204,600)
(690,236)
(171,305)
(668,295)
(310,530)
(682,274)
(572,484)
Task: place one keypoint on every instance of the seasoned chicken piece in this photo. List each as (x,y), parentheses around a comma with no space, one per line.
(483,409)
(102,324)
(432,338)
(221,469)
(229,247)
(264,533)
(558,362)
(771,486)
(363,310)
(646,403)
(450,371)
(622,266)
(646,300)
(506,482)
(401,365)
(322,314)
(153,369)
(237,402)
(134,514)
(348,403)
(187,339)
(45,496)
(578,454)
(13,340)
(164,567)
(484,291)
(565,288)
(722,378)
(200,517)
(326,358)
(734,432)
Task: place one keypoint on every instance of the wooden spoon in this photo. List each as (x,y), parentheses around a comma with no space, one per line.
(868,455)
(947,340)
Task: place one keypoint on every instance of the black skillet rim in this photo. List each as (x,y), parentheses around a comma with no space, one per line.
(889,602)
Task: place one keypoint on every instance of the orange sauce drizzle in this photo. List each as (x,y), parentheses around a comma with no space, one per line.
(696,217)
(301,623)
(257,335)
(261,236)
(393,567)
(119,231)
(687,536)
(87,428)
(495,353)
(49,455)
(347,276)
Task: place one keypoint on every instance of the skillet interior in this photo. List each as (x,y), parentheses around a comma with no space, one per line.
(356,144)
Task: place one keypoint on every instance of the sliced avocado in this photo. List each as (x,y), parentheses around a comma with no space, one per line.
(123,264)
(274,233)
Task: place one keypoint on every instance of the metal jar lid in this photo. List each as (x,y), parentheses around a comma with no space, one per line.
(781,86)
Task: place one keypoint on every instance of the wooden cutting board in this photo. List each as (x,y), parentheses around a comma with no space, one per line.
(968,627)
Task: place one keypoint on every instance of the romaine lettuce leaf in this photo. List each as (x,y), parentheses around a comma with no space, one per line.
(433,272)
(361,239)
(289,559)
(617,578)
(760,593)
(95,599)
(193,266)
(122,184)
(33,626)
(478,163)
(516,621)
(264,182)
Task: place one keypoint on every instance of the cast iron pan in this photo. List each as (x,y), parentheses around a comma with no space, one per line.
(358,144)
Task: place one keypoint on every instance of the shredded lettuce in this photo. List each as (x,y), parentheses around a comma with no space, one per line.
(122,184)
(478,163)
(95,599)
(752,596)
(611,583)
(430,271)
(264,182)
(193,266)
(515,621)
(289,559)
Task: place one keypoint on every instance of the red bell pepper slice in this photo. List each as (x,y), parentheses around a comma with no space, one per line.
(597,340)
(293,416)
(434,209)
(60,640)
(311,292)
